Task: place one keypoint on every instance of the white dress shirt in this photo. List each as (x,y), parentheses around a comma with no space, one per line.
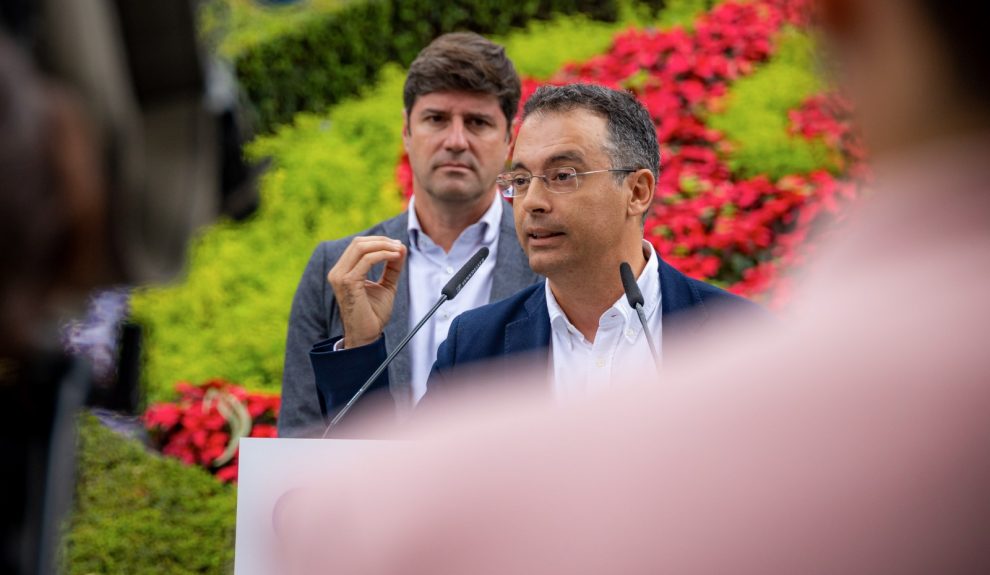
(429,269)
(582,368)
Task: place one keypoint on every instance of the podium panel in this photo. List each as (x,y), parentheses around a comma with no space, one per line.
(269,472)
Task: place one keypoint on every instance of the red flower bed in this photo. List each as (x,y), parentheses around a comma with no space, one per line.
(707,222)
(204,425)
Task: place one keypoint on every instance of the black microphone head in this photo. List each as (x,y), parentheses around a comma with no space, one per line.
(629,285)
(456,283)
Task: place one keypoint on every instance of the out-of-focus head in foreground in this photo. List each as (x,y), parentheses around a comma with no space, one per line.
(917,69)
(116,143)
(52,205)
(112,154)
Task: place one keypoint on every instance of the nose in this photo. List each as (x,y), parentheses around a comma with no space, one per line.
(456,137)
(536,199)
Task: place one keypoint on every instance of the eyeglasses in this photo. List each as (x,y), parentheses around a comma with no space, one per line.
(557,180)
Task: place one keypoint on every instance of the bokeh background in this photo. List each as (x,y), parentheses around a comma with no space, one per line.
(759,163)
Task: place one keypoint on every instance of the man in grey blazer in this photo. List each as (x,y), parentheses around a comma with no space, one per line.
(460,97)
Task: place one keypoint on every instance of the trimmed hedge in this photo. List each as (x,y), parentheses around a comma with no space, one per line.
(137,512)
(336,54)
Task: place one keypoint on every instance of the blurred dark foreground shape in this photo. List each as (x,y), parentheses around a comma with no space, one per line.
(854,441)
(117,143)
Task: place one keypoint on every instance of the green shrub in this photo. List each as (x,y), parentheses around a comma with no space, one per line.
(232,26)
(335,53)
(683,13)
(136,512)
(331,176)
(322,60)
(547,46)
(755,119)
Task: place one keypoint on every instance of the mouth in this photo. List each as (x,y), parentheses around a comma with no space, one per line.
(541,237)
(454,166)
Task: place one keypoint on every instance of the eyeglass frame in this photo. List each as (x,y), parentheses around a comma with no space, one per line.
(546,182)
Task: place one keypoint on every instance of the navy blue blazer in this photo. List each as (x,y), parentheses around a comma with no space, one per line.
(520,324)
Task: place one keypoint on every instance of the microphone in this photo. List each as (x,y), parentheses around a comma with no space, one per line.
(449,292)
(635,299)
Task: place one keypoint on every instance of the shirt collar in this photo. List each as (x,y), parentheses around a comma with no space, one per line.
(486,228)
(649,284)
(559,323)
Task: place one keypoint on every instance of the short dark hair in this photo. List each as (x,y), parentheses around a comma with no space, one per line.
(632,136)
(464,61)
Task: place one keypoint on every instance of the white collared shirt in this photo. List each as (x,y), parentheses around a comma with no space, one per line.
(582,368)
(429,269)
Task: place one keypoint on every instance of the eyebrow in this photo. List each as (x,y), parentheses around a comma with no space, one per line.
(433,111)
(480,116)
(470,115)
(568,156)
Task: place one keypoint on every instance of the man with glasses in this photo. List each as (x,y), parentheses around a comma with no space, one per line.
(581,182)
(360,295)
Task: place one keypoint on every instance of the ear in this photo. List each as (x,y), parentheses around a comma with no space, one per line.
(405,130)
(642,184)
(510,136)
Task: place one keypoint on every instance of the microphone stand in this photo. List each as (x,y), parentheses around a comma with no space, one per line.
(384,365)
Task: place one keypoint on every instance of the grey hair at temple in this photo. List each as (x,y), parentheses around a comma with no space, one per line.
(632,136)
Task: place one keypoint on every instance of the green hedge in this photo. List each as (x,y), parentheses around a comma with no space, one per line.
(137,512)
(335,54)
(332,175)
(232,26)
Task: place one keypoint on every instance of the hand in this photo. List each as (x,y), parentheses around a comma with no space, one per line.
(365,305)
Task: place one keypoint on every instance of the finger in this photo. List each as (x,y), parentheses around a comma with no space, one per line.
(363,245)
(392,271)
(339,278)
(363,266)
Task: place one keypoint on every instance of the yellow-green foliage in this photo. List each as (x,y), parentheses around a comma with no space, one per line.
(137,512)
(547,46)
(331,176)
(755,118)
(683,13)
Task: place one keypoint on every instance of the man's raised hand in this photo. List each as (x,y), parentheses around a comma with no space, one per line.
(365,305)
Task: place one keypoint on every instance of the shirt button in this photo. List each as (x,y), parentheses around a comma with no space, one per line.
(630,332)
(449,270)
(600,362)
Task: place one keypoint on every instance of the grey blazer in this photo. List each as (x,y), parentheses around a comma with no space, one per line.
(315,317)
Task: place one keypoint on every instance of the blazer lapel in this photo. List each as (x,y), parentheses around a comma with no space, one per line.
(683,309)
(400,371)
(532,332)
(511,263)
